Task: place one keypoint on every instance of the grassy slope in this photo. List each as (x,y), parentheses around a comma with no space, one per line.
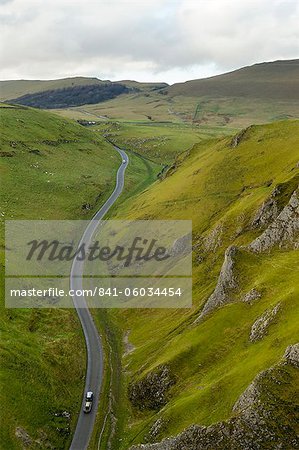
(214,361)
(180,195)
(137,107)
(16,88)
(222,112)
(147,86)
(159,142)
(42,366)
(140,174)
(257,94)
(275,80)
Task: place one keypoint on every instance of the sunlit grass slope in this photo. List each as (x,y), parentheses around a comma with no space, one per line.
(49,169)
(258,94)
(219,187)
(203,110)
(276,80)
(158,142)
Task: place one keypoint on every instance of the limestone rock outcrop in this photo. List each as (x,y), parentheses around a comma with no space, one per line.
(151,392)
(262,418)
(252,295)
(225,284)
(283,231)
(268,211)
(260,327)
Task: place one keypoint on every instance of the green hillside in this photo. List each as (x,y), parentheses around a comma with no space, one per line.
(277,80)
(170,368)
(233,190)
(72,96)
(150,86)
(16,88)
(258,94)
(12,89)
(50,168)
(158,142)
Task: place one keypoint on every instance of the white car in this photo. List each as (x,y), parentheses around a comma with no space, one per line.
(88,402)
(124,161)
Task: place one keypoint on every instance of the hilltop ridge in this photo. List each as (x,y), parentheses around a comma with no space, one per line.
(269,80)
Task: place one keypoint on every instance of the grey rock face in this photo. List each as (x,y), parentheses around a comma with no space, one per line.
(155,430)
(151,392)
(268,211)
(213,240)
(261,325)
(291,355)
(238,138)
(252,295)
(250,396)
(24,437)
(128,346)
(261,420)
(283,231)
(225,284)
(26,441)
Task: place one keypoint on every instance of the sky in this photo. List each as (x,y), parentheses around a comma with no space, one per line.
(145,40)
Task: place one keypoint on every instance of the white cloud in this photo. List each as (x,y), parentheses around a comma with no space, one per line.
(168,40)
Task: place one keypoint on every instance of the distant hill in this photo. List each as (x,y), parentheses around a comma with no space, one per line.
(73,96)
(16,88)
(274,80)
(260,93)
(151,86)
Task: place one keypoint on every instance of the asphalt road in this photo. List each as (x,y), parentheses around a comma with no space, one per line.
(94,368)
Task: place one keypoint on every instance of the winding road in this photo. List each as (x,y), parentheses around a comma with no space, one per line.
(94,369)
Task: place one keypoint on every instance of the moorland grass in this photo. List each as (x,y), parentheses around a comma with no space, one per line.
(214,361)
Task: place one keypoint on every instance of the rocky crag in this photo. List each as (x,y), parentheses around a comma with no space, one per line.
(263,417)
(282,230)
(225,284)
(151,392)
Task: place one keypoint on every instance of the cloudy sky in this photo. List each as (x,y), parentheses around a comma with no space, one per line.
(146,40)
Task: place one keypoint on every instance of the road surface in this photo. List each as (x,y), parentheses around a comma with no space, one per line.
(94,369)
